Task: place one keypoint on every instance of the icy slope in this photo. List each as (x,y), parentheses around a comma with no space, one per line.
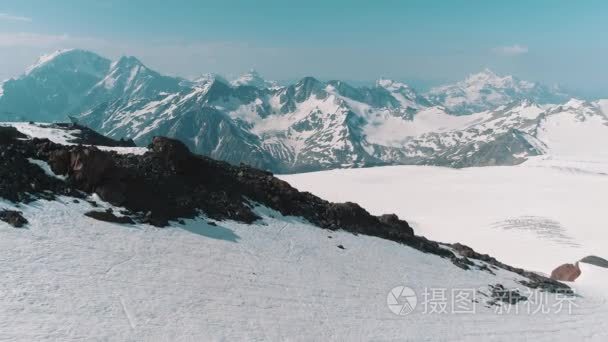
(75,279)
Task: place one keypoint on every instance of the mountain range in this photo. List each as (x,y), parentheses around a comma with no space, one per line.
(309,125)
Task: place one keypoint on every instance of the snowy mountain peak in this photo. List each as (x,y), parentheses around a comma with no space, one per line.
(575,103)
(45,59)
(487,90)
(208,78)
(70,60)
(125,72)
(486,73)
(488,78)
(127,62)
(250,78)
(308,81)
(307,87)
(391,85)
(406,97)
(253,79)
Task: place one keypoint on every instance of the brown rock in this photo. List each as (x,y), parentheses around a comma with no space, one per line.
(59,161)
(566,272)
(393,220)
(171,150)
(89,165)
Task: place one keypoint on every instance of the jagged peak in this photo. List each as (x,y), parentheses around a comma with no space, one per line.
(575,103)
(525,102)
(526,105)
(208,79)
(251,78)
(128,60)
(308,80)
(392,85)
(489,77)
(252,72)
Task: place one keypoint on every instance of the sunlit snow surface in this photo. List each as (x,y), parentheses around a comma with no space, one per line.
(68,277)
(537,215)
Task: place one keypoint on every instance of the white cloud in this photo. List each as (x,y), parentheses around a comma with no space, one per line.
(10,17)
(511,50)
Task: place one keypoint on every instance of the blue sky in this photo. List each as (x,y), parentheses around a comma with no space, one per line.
(422,41)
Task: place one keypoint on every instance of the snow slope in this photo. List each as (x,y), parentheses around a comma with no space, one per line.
(82,279)
(576,130)
(537,215)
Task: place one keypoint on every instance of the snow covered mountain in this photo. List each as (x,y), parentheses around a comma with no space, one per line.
(306,126)
(487,90)
(56,85)
(252,79)
(129,80)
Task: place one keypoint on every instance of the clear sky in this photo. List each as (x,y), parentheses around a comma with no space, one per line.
(552,41)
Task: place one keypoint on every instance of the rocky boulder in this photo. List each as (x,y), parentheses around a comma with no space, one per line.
(109,216)
(12,217)
(91,170)
(23,181)
(566,272)
(172,152)
(394,221)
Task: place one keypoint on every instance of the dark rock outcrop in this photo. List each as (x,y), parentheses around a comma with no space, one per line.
(22,181)
(534,280)
(501,294)
(109,216)
(9,133)
(595,260)
(12,217)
